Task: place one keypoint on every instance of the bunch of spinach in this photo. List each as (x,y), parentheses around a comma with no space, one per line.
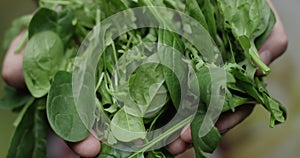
(55,32)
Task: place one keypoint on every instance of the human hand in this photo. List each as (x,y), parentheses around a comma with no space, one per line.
(12,74)
(275,45)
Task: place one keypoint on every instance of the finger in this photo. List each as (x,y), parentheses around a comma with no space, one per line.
(89,147)
(277,42)
(230,119)
(178,146)
(185,134)
(12,72)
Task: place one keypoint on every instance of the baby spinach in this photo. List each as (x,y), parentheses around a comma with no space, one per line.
(61,109)
(134,100)
(46,19)
(42,59)
(109,152)
(126,127)
(149,80)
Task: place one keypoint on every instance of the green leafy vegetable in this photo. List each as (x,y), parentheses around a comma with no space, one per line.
(42,59)
(29,138)
(207,143)
(49,20)
(134,96)
(126,127)
(247,20)
(14,98)
(61,109)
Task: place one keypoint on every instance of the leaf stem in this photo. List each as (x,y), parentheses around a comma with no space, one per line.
(256,58)
(164,135)
(22,42)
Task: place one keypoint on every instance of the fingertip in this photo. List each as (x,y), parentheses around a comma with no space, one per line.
(266,56)
(177,147)
(89,147)
(185,134)
(12,70)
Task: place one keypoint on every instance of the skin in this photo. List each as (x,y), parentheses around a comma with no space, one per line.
(275,46)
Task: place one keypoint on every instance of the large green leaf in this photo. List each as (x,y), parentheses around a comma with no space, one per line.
(62,112)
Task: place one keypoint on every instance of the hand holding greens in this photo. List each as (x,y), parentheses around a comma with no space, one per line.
(58,28)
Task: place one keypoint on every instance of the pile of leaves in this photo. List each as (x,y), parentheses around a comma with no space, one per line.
(54,34)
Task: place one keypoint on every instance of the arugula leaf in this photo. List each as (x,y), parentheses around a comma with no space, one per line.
(62,112)
(42,59)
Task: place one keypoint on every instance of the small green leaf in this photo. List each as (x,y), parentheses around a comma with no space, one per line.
(42,59)
(147,90)
(49,20)
(110,152)
(126,127)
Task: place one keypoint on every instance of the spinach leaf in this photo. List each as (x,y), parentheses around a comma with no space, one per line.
(161,153)
(207,143)
(247,20)
(277,111)
(147,90)
(153,94)
(62,112)
(29,138)
(109,152)
(173,62)
(14,98)
(193,9)
(42,59)
(126,127)
(49,20)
